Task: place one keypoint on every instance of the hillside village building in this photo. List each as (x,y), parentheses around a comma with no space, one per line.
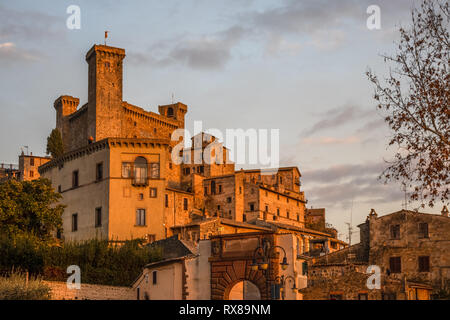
(412,250)
(27,169)
(118,180)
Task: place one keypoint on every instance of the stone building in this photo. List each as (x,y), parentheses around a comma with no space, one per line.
(122,177)
(254,265)
(8,171)
(412,250)
(27,169)
(28,166)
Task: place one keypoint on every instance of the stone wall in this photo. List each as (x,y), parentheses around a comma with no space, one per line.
(411,245)
(59,291)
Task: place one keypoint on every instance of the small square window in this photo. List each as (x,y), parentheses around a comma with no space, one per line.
(153,192)
(395,264)
(141,196)
(363,296)
(229,199)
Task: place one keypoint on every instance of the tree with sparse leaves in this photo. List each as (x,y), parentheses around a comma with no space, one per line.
(55,145)
(414,99)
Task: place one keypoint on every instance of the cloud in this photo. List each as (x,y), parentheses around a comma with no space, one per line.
(337,186)
(339,195)
(29,25)
(9,53)
(206,52)
(330,140)
(338,117)
(341,172)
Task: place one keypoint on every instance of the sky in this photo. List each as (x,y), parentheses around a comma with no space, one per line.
(297,66)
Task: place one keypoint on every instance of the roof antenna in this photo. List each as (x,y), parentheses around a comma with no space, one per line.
(350,228)
(173,98)
(404,190)
(106,36)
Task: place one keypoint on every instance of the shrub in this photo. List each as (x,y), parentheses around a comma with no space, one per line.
(16,287)
(100,262)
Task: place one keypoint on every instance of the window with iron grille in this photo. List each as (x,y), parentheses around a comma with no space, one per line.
(140,172)
(154,170)
(126,170)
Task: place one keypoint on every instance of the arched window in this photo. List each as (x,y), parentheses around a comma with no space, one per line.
(170,112)
(140,171)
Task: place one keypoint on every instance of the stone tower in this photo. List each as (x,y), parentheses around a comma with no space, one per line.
(104,91)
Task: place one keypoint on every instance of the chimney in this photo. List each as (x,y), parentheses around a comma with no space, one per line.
(444,211)
(373,214)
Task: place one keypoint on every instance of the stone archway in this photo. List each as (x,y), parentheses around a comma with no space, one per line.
(226,274)
(244,290)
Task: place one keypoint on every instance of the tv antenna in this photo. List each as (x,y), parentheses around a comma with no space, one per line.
(106,35)
(26,147)
(405,205)
(350,227)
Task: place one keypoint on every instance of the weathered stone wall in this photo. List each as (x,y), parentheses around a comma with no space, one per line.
(59,291)
(175,214)
(410,246)
(28,166)
(222,202)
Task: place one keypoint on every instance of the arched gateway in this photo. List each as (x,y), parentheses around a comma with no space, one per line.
(232,275)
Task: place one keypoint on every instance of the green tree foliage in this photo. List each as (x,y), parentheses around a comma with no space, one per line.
(55,145)
(30,208)
(99,261)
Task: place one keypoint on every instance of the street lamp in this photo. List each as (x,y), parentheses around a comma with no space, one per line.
(264,256)
(282,280)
